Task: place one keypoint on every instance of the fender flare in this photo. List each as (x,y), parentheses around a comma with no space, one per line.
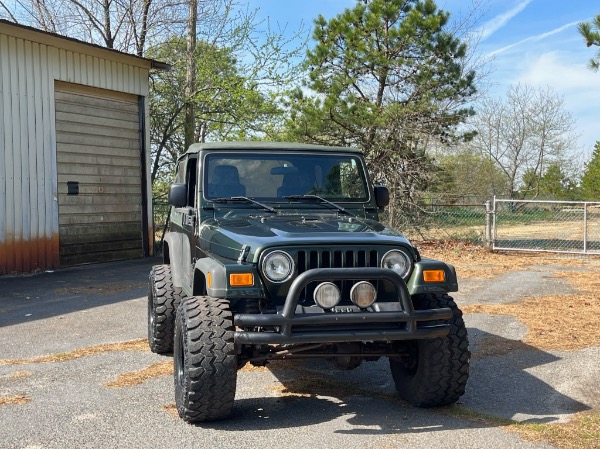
(218,276)
(178,244)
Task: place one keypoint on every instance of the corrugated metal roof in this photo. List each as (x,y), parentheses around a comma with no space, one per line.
(43,38)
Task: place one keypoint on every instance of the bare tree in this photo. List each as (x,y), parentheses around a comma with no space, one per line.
(126,25)
(524,132)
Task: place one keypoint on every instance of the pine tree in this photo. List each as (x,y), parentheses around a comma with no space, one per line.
(590,181)
(591,33)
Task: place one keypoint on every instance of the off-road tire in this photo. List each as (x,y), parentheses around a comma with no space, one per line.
(163,299)
(205,359)
(436,370)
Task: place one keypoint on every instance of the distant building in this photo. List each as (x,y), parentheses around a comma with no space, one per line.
(74,152)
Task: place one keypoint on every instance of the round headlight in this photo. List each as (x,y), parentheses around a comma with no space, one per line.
(278,266)
(327,295)
(398,261)
(363,294)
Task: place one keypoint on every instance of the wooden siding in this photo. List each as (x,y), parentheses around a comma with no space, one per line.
(29,220)
(98,145)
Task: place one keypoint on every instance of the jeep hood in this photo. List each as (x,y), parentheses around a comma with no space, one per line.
(225,237)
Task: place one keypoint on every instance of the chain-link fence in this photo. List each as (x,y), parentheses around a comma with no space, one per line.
(448,221)
(438,216)
(556,226)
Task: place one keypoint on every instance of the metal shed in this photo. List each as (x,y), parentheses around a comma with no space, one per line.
(74,152)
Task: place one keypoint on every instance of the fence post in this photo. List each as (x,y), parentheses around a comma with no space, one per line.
(585,228)
(488,225)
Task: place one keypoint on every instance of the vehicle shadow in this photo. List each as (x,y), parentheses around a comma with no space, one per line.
(52,293)
(365,401)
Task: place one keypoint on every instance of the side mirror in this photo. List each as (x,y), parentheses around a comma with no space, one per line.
(382,196)
(178,195)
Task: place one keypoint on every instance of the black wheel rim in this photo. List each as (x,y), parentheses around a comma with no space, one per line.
(150,312)
(179,361)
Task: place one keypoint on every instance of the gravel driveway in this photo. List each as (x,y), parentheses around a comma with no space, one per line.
(56,395)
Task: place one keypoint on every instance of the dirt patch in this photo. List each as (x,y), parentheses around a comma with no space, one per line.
(133,345)
(138,377)
(14,400)
(100,289)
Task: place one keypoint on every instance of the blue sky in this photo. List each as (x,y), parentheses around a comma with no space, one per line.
(529,41)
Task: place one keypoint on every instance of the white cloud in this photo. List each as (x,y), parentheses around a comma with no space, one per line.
(574,82)
(537,37)
(494,24)
(555,70)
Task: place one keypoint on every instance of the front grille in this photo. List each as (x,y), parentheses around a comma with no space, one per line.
(335,258)
(338,256)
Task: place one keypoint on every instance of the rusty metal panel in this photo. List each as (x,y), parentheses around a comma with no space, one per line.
(26,239)
(4,129)
(29,179)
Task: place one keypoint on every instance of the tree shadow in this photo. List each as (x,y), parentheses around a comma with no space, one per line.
(52,293)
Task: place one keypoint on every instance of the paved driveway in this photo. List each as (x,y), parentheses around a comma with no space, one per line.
(58,395)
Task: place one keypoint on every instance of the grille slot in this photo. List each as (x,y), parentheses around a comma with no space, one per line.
(361,258)
(336,258)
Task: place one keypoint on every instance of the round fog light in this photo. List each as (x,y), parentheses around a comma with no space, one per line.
(327,295)
(363,294)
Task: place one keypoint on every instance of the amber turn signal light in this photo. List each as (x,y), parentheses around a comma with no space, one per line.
(241,279)
(434,276)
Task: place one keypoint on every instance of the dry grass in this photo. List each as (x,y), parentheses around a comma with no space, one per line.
(249,368)
(133,345)
(582,432)
(311,385)
(14,400)
(100,289)
(138,377)
(20,374)
(554,322)
(171,409)
(562,322)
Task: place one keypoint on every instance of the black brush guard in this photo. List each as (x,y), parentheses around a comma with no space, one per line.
(288,325)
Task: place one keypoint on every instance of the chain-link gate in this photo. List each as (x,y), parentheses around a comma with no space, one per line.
(553,226)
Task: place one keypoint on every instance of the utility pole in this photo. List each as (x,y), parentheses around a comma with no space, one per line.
(190,86)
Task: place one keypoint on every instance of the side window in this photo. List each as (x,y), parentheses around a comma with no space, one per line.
(180,177)
(191,181)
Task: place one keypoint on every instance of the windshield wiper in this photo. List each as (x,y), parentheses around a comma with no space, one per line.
(317,197)
(243,198)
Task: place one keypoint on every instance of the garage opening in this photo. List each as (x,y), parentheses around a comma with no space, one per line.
(100,188)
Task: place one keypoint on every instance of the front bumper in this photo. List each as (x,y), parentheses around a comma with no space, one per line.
(292,325)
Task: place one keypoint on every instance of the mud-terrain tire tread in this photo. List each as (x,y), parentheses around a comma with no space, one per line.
(163,300)
(205,358)
(443,367)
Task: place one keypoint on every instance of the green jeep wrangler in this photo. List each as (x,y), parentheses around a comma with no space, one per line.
(275,251)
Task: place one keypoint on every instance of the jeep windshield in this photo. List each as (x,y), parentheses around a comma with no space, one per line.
(285,177)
